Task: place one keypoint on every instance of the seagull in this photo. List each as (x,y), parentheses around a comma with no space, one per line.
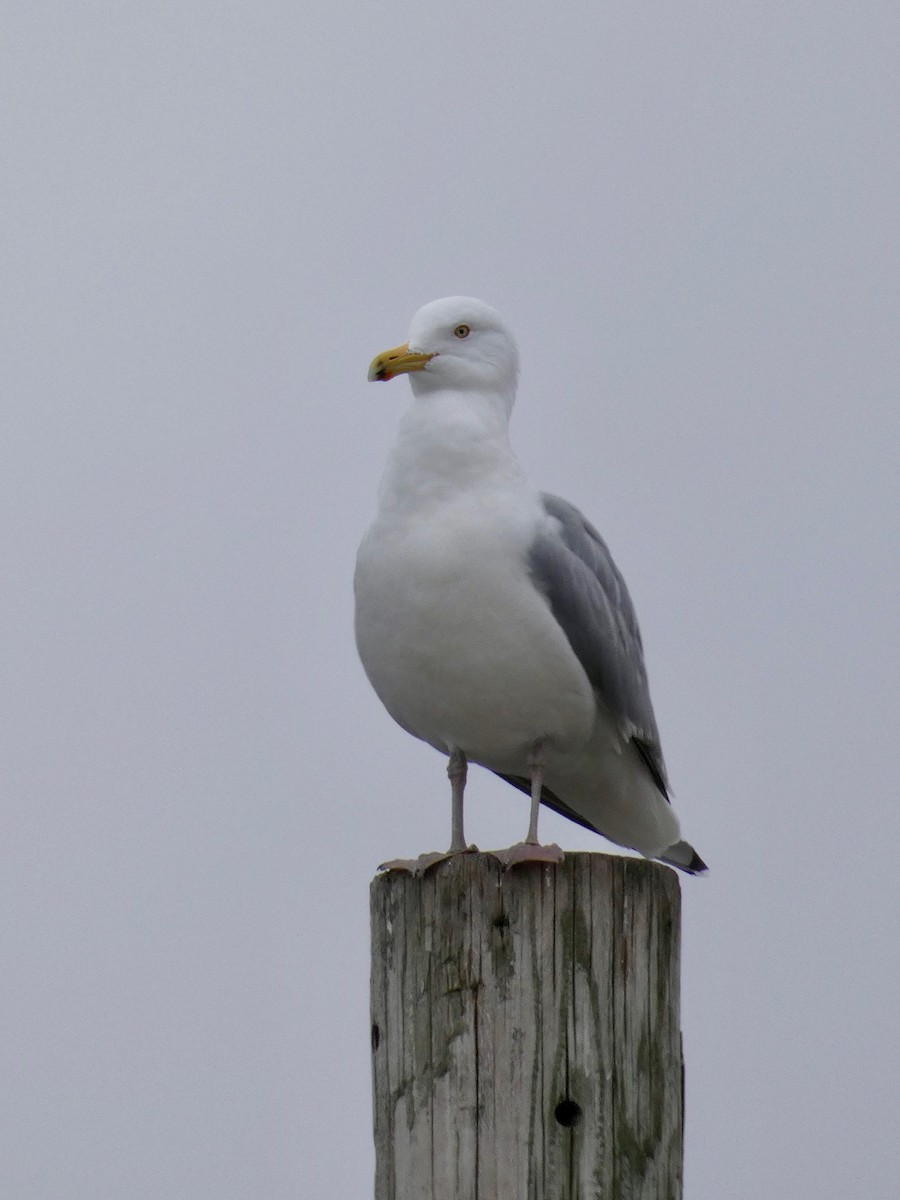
(491,619)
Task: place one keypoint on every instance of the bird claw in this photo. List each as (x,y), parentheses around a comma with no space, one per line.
(425,862)
(528,852)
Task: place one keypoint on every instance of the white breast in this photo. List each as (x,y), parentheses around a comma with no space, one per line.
(459,645)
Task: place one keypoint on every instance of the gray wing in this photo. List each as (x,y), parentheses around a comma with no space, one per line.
(572,566)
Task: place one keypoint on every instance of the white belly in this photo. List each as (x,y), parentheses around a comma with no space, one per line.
(461,648)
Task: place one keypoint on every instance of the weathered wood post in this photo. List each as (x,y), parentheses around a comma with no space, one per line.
(525,1031)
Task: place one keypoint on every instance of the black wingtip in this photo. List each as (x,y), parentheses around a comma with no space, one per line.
(696,866)
(683,856)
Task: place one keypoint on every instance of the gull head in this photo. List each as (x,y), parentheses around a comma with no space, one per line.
(457,343)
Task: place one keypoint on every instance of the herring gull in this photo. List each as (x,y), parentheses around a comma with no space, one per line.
(491,619)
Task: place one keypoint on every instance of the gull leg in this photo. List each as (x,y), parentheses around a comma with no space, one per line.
(457,769)
(536,766)
(531,849)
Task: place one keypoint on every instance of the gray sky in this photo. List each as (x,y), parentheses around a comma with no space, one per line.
(214,215)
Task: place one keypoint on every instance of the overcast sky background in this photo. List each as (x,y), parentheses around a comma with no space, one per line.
(214,214)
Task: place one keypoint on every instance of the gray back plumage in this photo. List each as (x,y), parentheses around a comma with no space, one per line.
(572,566)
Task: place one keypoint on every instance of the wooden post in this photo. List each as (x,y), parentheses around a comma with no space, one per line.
(525,1031)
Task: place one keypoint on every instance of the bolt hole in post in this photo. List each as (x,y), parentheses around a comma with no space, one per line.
(376,1037)
(567,1113)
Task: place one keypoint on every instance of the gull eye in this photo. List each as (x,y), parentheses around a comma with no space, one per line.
(461,331)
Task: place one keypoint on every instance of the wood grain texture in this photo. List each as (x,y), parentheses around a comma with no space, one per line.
(525,1031)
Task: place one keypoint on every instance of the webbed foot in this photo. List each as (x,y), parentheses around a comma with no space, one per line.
(526,852)
(425,862)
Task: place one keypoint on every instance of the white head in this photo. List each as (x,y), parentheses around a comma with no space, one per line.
(457,343)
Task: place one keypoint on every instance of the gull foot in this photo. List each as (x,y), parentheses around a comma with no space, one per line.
(526,852)
(418,866)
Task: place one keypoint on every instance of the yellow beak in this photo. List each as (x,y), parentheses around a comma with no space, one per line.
(399,361)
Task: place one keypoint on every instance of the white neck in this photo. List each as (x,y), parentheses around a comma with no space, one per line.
(449,443)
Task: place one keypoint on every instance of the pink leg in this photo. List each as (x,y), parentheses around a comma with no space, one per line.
(531,849)
(457,769)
